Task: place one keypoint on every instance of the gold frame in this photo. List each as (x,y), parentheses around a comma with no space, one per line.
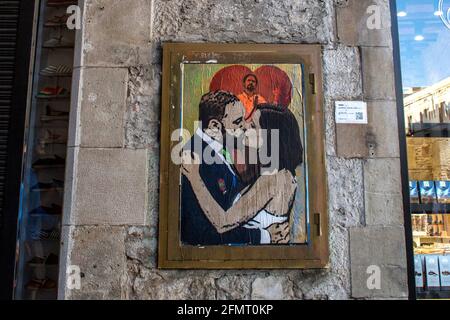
(172,255)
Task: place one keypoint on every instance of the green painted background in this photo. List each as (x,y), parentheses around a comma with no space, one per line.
(196,81)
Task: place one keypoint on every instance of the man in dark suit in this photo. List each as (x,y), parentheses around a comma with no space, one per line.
(219,112)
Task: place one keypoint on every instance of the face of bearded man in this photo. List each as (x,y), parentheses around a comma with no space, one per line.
(250,84)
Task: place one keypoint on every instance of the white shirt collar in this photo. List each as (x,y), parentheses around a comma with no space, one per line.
(215,145)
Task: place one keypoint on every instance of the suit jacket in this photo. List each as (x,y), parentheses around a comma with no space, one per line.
(224,186)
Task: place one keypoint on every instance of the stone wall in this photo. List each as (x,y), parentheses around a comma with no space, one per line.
(111,199)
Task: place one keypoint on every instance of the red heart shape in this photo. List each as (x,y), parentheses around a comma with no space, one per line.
(273,83)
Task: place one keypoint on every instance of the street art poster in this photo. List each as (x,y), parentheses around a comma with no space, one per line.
(243,163)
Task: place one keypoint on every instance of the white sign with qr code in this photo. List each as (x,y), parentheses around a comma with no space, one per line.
(354,112)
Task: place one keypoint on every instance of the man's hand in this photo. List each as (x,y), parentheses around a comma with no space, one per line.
(190,166)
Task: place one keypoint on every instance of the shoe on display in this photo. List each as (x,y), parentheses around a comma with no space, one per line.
(53,138)
(53,210)
(56,208)
(40,210)
(55,161)
(57,20)
(53,91)
(60,2)
(46,234)
(50,112)
(37,284)
(56,42)
(52,234)
(58,183)
(34,284)
(37,260)
(56,70)
(42,186)
(52,259)
(49,284)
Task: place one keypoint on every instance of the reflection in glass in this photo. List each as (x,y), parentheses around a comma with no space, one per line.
(424,45)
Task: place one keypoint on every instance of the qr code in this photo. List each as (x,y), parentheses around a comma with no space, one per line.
(359,116)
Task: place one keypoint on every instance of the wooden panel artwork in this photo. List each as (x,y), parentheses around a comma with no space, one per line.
(242,159)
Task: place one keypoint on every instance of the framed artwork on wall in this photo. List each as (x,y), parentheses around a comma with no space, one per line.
(242,170)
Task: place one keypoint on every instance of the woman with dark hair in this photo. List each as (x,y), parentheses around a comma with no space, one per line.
(285,154)
(273,117)
(273,220)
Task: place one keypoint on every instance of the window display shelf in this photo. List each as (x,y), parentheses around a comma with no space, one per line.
(43,167)
(434,239)
(58,47)
(52,97)
(433,295)
(45,240)
(430,208)
(43,142)
(42,265)
(55,25)
(39,235)
(429,130)
(54,118)
(48,190)
(431,251)
(56,75)
(35,290)
(45,215)
(61,4)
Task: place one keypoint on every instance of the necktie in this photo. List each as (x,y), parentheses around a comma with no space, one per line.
(227,156)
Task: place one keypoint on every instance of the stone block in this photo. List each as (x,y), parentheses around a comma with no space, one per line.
(382,248)
(233,287)
(383,197)
(153,185)
(382,176)
(143,107)
(364,23)
(330,128)
(271,288)
(383,129)
(378,73)
(345,191)
(140,245)
(102,108)
(117,32)
(110,187)
(159,285)
(342,73)
(99,253)
(268,21)
(351,140)
(384,209)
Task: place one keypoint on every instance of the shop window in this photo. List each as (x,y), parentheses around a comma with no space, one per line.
(45,146)
(424,37)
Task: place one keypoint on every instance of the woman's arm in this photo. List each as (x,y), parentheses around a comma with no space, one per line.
(282,201)
(250,203)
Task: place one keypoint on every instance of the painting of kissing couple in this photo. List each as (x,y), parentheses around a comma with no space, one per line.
(242,157)
(243,163)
